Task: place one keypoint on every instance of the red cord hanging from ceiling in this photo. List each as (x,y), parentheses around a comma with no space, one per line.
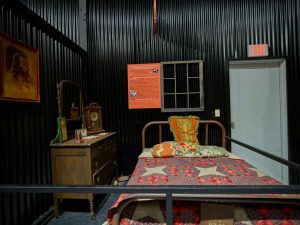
(154,16)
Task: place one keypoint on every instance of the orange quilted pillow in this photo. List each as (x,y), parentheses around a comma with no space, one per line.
(184,128)
(164,149)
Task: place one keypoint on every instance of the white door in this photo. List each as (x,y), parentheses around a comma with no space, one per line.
(259,112)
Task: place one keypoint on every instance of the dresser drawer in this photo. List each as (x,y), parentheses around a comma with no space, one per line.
(101,146)
(102,157)
(97,149)
(105,175)
(110,141)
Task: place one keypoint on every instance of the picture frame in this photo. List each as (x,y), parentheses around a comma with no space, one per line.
(19,71)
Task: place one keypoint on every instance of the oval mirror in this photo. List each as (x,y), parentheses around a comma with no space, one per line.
(69,99)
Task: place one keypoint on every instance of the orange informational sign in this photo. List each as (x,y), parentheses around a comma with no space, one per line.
(144,86)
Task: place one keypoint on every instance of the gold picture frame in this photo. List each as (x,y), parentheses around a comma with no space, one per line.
(19,71)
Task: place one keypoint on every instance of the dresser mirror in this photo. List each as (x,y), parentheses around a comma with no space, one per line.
(70,103)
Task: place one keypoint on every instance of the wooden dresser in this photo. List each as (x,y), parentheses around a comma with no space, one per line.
(91,162)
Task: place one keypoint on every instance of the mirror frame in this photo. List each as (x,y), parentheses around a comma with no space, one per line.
(60,99)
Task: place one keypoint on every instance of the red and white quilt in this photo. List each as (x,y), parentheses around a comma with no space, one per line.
(230,170)
(197,171)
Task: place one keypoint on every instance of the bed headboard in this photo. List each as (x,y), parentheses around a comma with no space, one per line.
(205,123)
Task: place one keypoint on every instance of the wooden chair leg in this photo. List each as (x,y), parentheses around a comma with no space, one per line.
(92,209)
(56,207)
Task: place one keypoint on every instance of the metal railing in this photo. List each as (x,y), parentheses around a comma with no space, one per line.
(264,153)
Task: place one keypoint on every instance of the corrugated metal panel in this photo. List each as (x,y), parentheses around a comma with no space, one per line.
(121,32)
(27,128)
(61,14)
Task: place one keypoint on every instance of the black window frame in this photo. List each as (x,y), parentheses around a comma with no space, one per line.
(180,95)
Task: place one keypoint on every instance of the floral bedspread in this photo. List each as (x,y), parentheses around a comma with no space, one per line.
(196,171)
(189,213)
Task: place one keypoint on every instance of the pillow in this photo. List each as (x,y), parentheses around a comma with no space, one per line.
(211,151)
(187,149)
(164,149)
(184,128)
(193,149)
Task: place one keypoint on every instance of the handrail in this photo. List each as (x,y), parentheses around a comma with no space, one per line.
(158,189)
(264,153)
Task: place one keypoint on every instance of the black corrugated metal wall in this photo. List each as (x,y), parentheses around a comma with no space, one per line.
(62,15)
(121,33)
(27,128)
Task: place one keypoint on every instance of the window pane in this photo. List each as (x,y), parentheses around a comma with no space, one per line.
(194,100)
(168,71)
(181,101)
(194,85)
(169,86)
(193,70)
(181,78)
(169,101)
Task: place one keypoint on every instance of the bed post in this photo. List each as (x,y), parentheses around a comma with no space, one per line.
(160,133)
(206,134)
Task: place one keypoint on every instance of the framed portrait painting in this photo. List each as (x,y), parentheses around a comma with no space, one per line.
(19,71)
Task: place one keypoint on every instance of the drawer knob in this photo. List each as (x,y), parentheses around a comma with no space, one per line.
(115,163)
(98,179)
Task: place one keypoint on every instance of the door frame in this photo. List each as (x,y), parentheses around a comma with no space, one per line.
(267,62)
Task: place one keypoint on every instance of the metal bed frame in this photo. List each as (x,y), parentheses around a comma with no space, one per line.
(292,192)
(206,123)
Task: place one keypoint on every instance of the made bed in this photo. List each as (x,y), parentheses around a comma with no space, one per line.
(223,168)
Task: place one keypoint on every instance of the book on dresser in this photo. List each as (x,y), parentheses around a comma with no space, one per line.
(62,129)
(92,162)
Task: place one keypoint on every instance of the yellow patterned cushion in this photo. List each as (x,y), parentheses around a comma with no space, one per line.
(184,128)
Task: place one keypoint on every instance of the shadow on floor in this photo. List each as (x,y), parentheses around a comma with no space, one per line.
(77,212)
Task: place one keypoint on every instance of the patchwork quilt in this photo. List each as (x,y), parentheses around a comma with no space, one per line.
(189,213)
(230,170)
(197,171)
